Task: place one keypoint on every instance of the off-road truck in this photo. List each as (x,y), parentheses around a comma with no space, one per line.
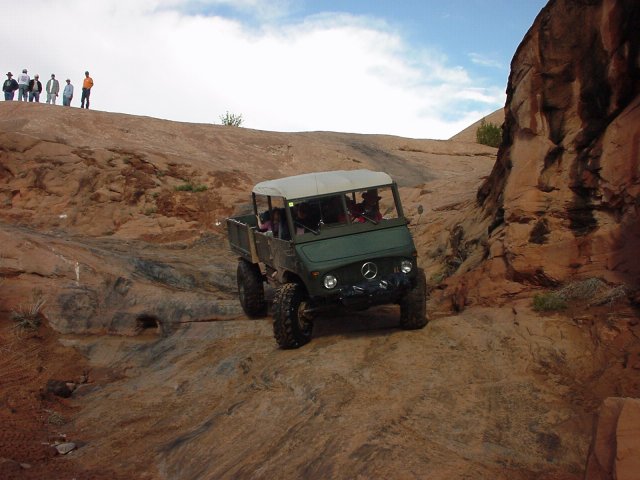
(326,240)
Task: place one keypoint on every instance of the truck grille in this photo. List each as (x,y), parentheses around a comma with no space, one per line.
(366,270)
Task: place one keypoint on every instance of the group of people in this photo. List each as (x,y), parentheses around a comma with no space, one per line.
(31,88)
(307,216)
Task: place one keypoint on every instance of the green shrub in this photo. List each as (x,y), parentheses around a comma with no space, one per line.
(437,278)
(489,134)
(231,119)
(548,302)
(189,187)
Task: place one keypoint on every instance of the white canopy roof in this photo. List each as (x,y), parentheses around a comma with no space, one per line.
(321,183)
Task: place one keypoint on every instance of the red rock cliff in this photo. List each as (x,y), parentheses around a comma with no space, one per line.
(565,191)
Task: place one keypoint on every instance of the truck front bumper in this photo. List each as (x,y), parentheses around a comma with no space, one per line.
(388,289)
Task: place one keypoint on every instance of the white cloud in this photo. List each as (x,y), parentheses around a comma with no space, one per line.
(327,72)
(485,61)
(259,9)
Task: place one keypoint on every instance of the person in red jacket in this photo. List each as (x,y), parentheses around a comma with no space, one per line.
(86,89)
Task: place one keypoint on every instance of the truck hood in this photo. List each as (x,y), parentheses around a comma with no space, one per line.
(361,245)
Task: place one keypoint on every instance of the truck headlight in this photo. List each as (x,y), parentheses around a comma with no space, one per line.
(406,266)
(330,282)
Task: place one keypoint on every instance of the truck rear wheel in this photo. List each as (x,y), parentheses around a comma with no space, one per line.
(291,325)
(251,289)
(413,307)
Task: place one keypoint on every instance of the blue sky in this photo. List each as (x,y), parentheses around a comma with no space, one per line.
(421,69)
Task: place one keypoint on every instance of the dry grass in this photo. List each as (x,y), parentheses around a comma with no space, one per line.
(582,290)
(592,290)
(56,418)
(29,317)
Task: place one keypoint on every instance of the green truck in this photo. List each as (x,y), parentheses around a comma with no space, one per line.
(326,240)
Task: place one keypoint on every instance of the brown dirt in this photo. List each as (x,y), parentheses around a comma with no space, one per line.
(32,420)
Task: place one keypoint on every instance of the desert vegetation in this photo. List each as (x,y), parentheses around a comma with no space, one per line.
(231,119)
(489,134)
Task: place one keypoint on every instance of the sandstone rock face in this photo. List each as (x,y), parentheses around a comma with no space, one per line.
(564,195)
(615,448)
(97,220)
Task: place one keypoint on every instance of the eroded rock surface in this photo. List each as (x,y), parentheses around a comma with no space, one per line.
(489,393)
(115,222)
(564,193)
(615,448)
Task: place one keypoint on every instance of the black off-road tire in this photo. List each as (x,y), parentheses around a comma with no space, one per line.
(251,289)
(413,307)
(291,328)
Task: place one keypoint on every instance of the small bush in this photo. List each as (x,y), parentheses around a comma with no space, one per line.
(548,302)
(582,290)
(231,119)
(29,318)
(56,419)
(437,278)
(189,187)
(594,291)
(589,292)
(489,134)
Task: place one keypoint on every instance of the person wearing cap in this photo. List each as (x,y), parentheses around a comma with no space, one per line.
(67,94)
(53,88)
(86,89)
(9,87)
(370,205)
(23,86)
(35,88)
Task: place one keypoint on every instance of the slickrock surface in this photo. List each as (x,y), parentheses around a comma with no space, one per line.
(112,226)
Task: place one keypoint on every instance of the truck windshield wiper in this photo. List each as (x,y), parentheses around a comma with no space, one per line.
(375,222)
(315,232)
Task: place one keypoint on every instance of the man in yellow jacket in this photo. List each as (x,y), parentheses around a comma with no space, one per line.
(86,89)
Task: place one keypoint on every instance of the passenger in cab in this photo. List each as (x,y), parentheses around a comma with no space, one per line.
(355,211)
(333,211)
(370,206)
(264,221)
(274,224)
(304,219)
(279,224)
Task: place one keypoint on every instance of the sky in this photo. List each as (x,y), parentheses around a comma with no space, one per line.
(418,69)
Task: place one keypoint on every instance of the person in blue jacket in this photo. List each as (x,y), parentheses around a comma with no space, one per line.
(67,94)
(9,87)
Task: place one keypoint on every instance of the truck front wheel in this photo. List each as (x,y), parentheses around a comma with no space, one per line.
(251,289)
(413,307)
(291,325)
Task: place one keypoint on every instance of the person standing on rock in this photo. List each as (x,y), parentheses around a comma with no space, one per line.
(67,94)
(23,86)
(86,89)
(9,87)
(53,88)
(35,88)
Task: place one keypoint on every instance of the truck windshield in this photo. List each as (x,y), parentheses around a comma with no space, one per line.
(361,206)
